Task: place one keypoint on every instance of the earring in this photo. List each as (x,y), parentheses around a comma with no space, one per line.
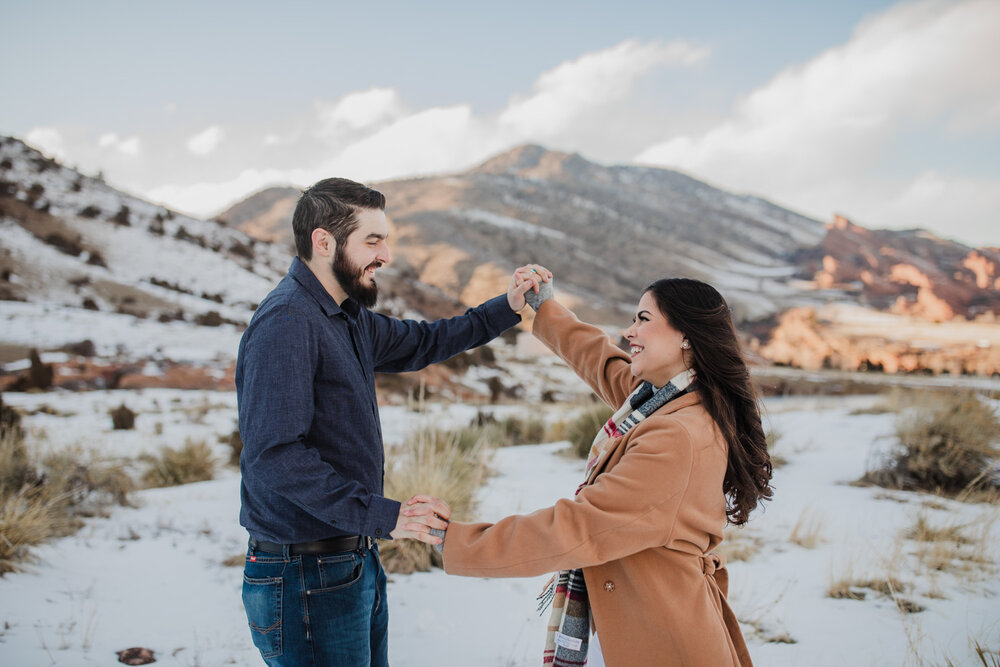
(685,344)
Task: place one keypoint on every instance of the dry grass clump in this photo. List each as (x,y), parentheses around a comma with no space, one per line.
(771,438)
(582,430)
(510,430)
(432,461)
(122,418)
(738,544)
(41,502)
(849,587)
(962,549)
(193,462)
(947,444)
(808,530)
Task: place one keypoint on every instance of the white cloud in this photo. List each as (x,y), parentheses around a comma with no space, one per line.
(48,140)
(128,146)
(359,111)
(592,81)
(371,135)
(960,208)
(828,128)
(206,141)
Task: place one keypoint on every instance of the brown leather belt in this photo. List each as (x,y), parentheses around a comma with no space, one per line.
(329,546)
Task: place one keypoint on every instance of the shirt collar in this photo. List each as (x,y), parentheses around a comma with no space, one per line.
(304,276)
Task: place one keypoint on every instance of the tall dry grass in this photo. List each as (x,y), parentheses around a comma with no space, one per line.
(435,462)
(43,500)
(947,443)
(194,462)
(581,430)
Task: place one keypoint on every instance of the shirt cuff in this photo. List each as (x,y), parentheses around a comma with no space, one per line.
(499,314)
(382,516)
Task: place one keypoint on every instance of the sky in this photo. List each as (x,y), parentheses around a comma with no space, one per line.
(885,112)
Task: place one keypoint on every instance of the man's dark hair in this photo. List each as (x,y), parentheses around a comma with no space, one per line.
(331,204)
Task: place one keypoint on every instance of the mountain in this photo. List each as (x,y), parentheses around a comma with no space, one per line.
(799,288)
(86,267)
(265,215)
(606,232)
(149,294)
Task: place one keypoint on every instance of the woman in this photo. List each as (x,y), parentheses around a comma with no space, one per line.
(683,454)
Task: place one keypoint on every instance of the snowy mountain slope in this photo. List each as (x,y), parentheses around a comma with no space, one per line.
(104,261)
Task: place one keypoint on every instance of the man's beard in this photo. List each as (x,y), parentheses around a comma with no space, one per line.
(349,276)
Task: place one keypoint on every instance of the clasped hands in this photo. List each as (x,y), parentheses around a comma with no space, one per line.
(421,513)
(418,515)
(525,278)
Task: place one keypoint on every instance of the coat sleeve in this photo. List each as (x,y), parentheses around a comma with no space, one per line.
(629,508)
(589,352)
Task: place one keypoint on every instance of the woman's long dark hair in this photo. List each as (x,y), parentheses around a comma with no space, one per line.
(697,310)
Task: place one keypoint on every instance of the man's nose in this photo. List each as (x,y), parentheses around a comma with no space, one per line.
(384,255)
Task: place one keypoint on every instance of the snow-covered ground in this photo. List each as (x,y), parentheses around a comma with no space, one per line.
(154,576)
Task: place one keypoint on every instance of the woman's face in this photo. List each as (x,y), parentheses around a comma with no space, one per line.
(655,346)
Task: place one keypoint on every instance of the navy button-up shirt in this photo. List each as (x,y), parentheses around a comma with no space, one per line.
(313,459)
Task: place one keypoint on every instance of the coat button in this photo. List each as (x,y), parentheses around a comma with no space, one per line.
(609,586)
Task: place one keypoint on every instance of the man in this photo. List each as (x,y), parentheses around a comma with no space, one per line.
(312,462)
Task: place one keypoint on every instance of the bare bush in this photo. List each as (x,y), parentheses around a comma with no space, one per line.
(123,418)
(431,461)
(582,430)
(38,503)
(946,444)
(193,462)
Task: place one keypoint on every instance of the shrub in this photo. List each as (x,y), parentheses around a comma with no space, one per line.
(191,463)
(522,430)
(582,430)
(122,217)
(235,447)
(122,418)
(64,245)
(28,518)
(39,375)
(89,212)
(15,469)
(37,505)
(209,319)
(431,462)
(946,444)
(88,487)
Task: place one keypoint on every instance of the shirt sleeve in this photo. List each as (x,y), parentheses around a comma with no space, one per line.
(630,508)
(409,345)
(279,361)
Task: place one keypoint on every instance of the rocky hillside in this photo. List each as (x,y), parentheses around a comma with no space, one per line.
(608,231)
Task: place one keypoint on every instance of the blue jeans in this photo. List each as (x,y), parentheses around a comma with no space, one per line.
(324,610)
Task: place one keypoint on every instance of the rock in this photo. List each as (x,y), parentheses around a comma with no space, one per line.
(136,656)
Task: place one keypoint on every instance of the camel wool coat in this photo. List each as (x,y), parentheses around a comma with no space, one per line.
(642,530)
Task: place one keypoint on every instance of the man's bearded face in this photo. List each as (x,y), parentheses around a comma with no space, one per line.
(352,278)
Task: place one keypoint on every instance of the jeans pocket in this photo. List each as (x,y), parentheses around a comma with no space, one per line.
(262,601)
(339,571)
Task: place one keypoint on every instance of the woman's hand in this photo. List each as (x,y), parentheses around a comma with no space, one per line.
(525,278)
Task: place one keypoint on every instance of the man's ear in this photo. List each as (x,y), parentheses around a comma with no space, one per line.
(323,243)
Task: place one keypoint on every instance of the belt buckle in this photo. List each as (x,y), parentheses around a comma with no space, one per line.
(369,542)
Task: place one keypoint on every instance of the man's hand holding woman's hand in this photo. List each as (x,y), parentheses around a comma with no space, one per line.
(418,515)
(530,277)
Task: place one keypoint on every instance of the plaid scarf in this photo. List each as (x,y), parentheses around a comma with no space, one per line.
(568,635)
